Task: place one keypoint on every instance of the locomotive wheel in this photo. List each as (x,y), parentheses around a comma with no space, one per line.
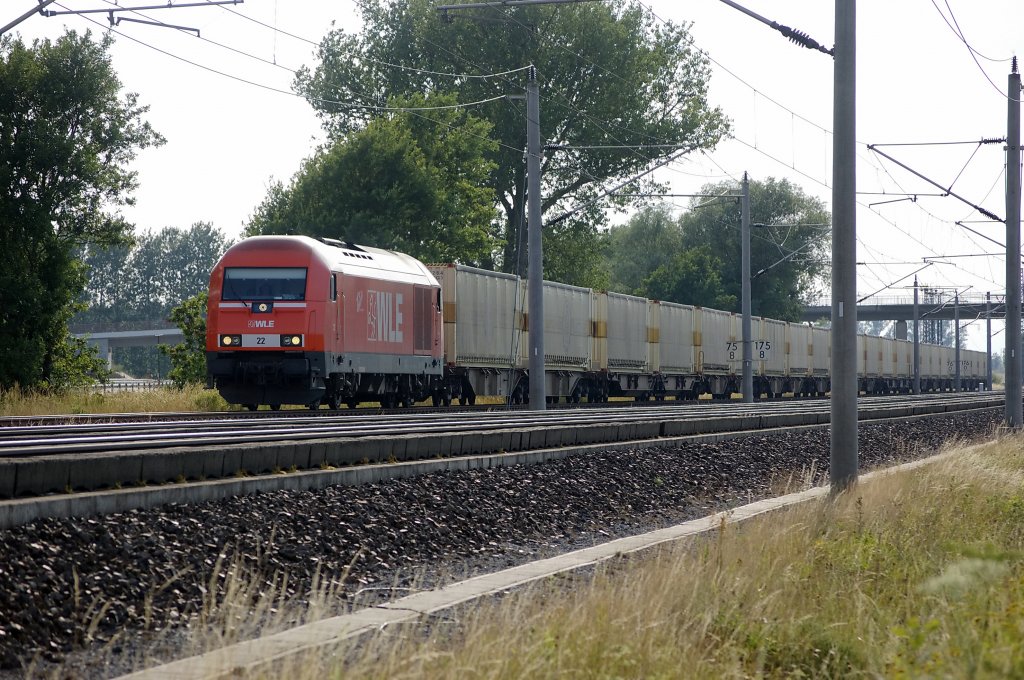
(314,405)
(252,407)
(409,402)
(352,403)
(334,401)
(435,400)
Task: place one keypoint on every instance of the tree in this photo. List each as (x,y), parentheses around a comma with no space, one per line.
(136,286)
(399,184)
(876,328)
(188,358)
(789,244)
(609,72)
(635,250)
(67,137)
(690,278)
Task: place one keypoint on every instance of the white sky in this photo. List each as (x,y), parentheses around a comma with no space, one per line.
(916,82)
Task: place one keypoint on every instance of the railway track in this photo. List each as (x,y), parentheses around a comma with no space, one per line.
(118,434)
(131,459)
(8,422)
(409,528)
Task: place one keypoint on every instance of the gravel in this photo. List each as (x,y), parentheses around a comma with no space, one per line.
(99,594)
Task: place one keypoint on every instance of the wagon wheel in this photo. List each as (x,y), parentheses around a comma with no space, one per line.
(314,405)
(275,407)
(334,401)
(252,407)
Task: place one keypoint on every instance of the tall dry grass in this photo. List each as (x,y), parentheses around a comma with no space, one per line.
(917,574)
(914,574)
(17,402)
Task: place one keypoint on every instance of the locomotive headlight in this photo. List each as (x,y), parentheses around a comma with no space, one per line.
(231,340)
(291,341)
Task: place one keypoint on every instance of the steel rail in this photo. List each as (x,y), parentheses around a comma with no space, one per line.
(52,440)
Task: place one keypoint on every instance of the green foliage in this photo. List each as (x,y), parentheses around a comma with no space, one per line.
(136,285)
(651,239)
(140,282)
(76,363)
(692,278)
(188,358)
(67,137)
(396,184)
(573,254)
(695,259)
(795,222)
(635,80)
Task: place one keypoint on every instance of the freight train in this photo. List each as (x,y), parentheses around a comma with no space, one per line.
(296,320)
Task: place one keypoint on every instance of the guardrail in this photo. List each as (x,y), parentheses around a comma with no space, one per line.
(119,385)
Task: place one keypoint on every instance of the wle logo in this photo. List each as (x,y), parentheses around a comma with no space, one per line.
(383,316)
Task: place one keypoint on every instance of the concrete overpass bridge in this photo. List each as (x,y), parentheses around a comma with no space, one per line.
(901,310)
(106,341)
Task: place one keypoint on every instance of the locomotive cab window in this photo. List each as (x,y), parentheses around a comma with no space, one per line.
(264,283)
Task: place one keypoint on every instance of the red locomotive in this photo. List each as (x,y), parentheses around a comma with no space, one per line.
(295,320)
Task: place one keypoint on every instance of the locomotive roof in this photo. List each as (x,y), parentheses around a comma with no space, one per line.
(348,258)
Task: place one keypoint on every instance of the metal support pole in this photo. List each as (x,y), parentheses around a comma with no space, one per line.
(1013,349)
(535,272)
(748,350)
(988,340)
(843,449)
(957,386)
(917,343)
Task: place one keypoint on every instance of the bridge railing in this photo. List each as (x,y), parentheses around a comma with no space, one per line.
(120,385)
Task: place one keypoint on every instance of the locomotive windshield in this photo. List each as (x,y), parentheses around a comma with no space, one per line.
(264,283)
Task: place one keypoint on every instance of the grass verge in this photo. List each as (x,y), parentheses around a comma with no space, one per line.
(917,574)
(16,402)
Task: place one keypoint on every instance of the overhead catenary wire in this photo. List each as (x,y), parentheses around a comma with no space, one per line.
(278,90)
(672,166)
(402,67)
(974,53)
(824,129)
(790,166)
